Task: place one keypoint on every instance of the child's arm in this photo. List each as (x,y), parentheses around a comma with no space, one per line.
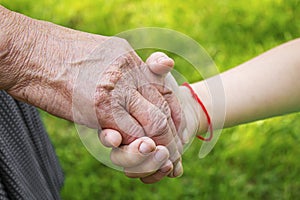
(266,86)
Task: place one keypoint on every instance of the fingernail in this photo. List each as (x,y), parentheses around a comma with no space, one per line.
(178,170)
(161,155)
(145,148)
(112,139)
(162,59)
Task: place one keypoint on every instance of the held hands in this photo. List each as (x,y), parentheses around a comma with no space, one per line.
(130,156)
(96,81)
(99,82)
(190,109)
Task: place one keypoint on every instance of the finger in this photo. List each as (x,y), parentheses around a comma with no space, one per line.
(155,123)
(176,145)
(126,124)
(150,117)
(155,62)
(164,171)
(150,165)
(177,170)
(159,63)
(151,93)
(167,86)
(176,111)
(153,96)
(170,100)
(110,137)
(133,154)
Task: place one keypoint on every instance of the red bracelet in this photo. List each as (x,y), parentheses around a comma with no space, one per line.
(210,127)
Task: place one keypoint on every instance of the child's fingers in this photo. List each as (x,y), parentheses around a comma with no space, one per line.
(132,155)
(177,171)
(164,170)
(159,63)
(110,137)
(150,165)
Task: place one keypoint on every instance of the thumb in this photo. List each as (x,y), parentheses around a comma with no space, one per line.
(159,63)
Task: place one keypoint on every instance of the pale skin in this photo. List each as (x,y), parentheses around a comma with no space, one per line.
(264,87)
(93,80)
(275,91)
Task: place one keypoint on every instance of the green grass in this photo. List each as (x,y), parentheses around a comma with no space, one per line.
(254,161)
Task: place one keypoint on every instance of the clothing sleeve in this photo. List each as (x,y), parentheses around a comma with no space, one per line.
(29,168)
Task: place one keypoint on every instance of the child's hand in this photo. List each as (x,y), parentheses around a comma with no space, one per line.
(186,118)
(140,159)
(191,112)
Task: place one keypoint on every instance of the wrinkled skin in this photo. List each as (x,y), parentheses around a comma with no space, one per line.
(93,80)
(128,156)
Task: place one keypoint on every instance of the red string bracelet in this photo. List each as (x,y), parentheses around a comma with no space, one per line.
(210,127)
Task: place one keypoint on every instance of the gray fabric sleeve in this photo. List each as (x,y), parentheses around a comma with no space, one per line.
(29,168)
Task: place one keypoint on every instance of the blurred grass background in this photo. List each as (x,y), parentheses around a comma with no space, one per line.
(254,161)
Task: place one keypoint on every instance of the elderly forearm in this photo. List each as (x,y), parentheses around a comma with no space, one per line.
(266,86)
(26,43)
(39,60)
(27,61)
(16,43)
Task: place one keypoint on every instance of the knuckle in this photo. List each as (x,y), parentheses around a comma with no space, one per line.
(131,133)
(124,59)
(126,63)
(101,97)
(110,78)
(132,101)
(159,124)
(165,108)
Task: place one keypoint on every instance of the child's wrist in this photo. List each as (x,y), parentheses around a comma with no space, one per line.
(201,97)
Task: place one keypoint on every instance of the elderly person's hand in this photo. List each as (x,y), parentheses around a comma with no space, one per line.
(142,158)
(192,114)
(90,79)
(138,163)
(130,157)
